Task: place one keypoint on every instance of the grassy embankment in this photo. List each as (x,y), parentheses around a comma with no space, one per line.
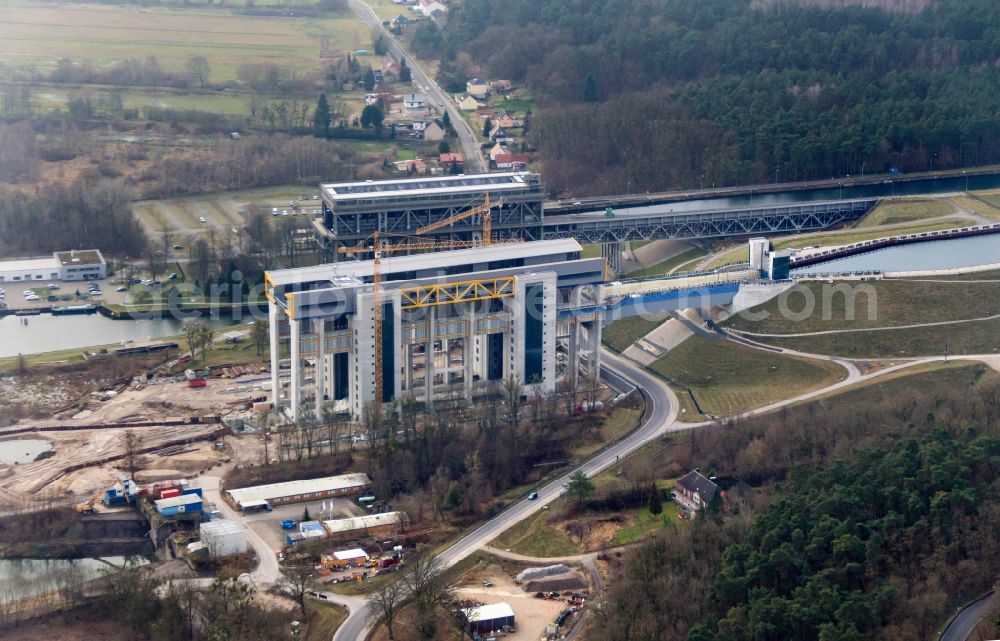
(728,378)
(620,334)
(905,210)
(898,303)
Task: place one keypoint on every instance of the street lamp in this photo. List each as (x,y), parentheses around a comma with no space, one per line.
(966,174)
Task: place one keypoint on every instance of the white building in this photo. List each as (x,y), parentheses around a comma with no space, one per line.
(299,491)
(72,265)
(223,538)
(430,8)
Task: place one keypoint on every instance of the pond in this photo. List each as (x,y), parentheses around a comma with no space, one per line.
(22,450)
(20,578)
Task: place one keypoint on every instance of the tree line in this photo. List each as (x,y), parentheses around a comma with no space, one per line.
(87,213)
(776,92)
(875,516)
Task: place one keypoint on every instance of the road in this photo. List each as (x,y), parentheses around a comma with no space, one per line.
(661,416)
(471,152)
(966,621)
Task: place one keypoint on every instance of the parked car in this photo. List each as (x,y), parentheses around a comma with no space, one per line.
(172,276)
(201,219)
(121,289)
(287,524)
(53,286)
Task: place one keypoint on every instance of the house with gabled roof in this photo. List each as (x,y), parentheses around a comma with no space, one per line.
(694,492)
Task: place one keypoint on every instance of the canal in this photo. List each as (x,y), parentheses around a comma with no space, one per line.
(931,255)
(47,333)
(886,189)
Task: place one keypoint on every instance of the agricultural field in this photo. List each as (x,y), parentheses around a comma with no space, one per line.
(34,37)
(728,378)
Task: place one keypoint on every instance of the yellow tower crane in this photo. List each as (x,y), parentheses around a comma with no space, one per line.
(483,209)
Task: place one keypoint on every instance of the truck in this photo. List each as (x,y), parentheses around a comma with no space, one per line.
(287,524)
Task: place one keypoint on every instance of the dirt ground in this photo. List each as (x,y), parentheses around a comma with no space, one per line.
(530,614)
(20,484)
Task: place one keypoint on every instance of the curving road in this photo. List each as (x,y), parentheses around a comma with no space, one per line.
(661,416)
(961,627)
(471,152)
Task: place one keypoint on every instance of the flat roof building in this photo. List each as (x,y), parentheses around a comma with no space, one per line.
(298,491)
(70,265)
(453,322)
(352,211)
(377,525)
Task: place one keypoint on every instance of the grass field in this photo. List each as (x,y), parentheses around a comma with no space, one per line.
(986,205)
(49,97)
(906,210)
(831,239)
(535,537)
(640,523)
(729,378)
(897,302)
(620,334)
(36,36)
(324,621)
(982,337)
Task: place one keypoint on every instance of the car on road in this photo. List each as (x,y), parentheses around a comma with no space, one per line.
(533,496)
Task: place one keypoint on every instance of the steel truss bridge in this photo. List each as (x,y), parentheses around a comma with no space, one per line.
(526,220)
(749,221)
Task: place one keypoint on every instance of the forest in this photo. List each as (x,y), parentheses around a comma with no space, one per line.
(874,516)
(721,92)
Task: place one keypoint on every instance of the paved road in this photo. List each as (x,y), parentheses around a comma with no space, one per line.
(966,621)
(661,417)
(471,152)
(267,571)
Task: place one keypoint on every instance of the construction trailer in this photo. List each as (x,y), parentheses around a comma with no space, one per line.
(179,505)
(453,324)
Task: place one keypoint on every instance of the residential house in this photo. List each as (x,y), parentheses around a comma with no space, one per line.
(390,69)
(432,8)
(415,105)
(503,120)
(694,492)
(500,86)
(415,166)
(420,125)
(433,131)
(514,162)
(499,134)
(468,103)
(447,159)
(496,150)
(478,89)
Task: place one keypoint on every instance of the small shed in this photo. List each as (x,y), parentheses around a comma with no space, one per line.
(223,538)
(489,618)
(179,505)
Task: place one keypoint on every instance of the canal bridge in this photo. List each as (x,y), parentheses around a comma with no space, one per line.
(353,211)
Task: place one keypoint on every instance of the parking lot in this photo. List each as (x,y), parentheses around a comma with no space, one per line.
(268,524)
(46,293)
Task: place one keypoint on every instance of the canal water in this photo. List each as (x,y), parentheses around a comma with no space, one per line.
(931,255)
(21,578)
(884,189)
(46,333)
(22,450)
